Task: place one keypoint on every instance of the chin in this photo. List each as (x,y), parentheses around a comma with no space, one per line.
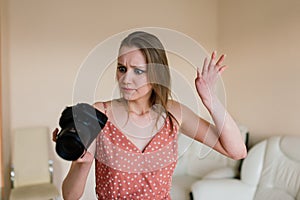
(128,97)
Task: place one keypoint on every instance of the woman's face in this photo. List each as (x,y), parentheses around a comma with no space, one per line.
(132,74)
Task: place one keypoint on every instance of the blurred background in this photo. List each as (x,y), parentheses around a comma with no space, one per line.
(43,44)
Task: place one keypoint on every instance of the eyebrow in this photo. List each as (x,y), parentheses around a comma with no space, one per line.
(133,66)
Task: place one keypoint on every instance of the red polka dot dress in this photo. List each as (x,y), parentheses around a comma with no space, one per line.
(123,171)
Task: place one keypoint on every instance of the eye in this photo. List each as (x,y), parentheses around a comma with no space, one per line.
(122,69)
(139,71)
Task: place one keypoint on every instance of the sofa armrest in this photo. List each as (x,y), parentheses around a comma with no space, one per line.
(225,189)
(223,173)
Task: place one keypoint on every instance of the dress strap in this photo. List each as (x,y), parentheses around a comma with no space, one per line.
(105,108)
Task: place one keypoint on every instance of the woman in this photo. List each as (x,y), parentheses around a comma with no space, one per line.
(136,151)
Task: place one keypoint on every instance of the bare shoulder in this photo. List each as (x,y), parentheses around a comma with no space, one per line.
(107,105)
(173,105)
(175,108)
(181,112)
(100,105)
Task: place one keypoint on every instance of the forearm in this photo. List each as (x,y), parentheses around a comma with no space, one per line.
(74,183)
(226,130)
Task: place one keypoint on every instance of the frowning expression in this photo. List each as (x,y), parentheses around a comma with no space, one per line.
(132,74)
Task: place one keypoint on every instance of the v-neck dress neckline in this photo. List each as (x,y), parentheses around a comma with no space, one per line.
(130,142)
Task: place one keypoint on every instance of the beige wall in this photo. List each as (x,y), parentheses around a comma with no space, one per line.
(262,41)
(48,40)
(1,167)
(5,97)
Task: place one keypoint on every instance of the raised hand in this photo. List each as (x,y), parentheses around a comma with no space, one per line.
(207,78)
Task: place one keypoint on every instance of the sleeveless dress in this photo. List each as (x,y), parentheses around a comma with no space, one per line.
(123,171)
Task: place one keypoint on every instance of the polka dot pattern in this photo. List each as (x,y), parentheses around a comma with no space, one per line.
(125,172)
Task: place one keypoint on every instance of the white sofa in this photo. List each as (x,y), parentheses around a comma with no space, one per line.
(271,171)
(197,161)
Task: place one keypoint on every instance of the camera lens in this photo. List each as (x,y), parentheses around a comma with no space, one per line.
(69,145)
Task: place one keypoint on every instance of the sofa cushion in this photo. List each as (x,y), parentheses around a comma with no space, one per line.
(181,187)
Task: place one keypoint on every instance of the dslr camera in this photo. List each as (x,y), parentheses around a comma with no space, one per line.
(80,124)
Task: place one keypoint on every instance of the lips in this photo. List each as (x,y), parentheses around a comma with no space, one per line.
(127,89)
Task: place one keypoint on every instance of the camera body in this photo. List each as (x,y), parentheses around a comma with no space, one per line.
(80,124)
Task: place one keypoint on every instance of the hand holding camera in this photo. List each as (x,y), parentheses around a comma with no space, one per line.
(80,125)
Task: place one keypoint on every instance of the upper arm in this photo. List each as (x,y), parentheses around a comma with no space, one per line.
(196,127)
(190,123)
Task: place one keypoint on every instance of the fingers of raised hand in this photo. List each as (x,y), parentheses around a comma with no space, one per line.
(205,66)
(219,64)
(214,65)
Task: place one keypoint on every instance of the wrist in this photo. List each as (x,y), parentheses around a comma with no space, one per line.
(86,158)
(212,103)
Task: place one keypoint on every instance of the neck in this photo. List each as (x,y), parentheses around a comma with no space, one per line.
(138,107)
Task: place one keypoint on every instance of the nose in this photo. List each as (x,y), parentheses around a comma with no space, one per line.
(127,77)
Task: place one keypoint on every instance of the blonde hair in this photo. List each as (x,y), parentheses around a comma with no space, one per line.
(157,62)
(158,70)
